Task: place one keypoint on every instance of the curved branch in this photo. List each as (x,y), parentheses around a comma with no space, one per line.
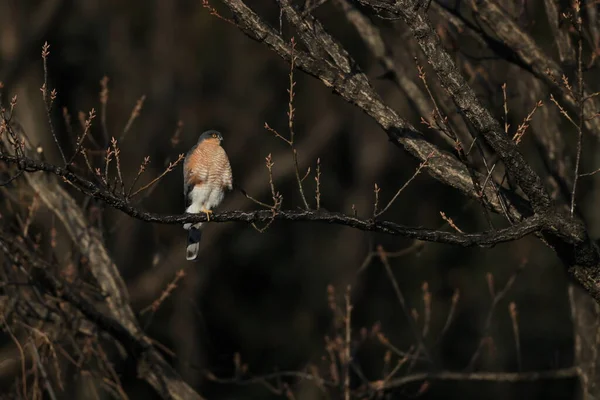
(485,239)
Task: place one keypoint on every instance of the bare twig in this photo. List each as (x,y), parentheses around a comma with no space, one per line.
(512,309)
(522,128)
(505,109)
(165,294)
(421,166)
(450,317)
(117,153)
(564,112)
(133,116)
(496,298)
(416,332)
(170,168)
(87,126)
(49,99)
(450,222)
(579,99)
(141,170)
(104,102)
(347,343)
(318,181)
(291,114)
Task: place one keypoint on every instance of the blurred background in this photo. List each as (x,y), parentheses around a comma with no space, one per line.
(264,295)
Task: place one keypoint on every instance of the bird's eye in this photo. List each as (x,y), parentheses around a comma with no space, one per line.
(214,135)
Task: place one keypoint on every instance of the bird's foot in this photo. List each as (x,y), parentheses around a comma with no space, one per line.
(207,212)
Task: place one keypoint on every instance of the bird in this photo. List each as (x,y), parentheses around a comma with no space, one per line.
(207,177)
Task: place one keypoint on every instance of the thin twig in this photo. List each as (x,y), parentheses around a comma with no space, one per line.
(291,114)
(563,111)
(48,100)
(512,309)
(318,181)
(140,172)
(117,152)
(376,190)
(165,294)
(347,342)
(133,116)
(522,128)
(170,168)
(450,317)
(402,301)
(496,298)
(421,166)
(104,102)
(580,100)
(450,222)
(594,172)
(87,126)
(426,308)
(276,197)
(505,109)
(277,134)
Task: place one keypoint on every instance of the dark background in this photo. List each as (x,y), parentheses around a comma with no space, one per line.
(264,295)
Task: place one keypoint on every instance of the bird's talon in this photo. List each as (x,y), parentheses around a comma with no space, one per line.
(207,212)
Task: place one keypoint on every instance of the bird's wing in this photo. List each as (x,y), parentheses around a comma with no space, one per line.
(186,172)
(194,171)
(226,170)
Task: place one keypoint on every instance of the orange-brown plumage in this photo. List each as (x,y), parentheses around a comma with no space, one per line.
(208,164)
(207,175)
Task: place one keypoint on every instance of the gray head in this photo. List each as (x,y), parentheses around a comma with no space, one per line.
(211,135)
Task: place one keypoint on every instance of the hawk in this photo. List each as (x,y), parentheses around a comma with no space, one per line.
(206,179)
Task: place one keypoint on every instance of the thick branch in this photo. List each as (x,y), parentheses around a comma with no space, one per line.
(530,54)
(567,236)
(566,52)
(465,99)
(355,88)
(151,365)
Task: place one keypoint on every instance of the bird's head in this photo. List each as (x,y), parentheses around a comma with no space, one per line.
(211,135)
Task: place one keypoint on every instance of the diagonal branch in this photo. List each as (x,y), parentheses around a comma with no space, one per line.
(531,55)
(567,236)
(152,367)
(465,99)
(566,52)
(356,89)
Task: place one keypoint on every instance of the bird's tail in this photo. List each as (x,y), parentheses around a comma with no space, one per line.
(193,242)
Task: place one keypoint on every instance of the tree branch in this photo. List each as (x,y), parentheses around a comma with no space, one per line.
(531,55)
(354,87)
(509,377)
(567,236)
(151,365)
(465,99)
(485,239)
